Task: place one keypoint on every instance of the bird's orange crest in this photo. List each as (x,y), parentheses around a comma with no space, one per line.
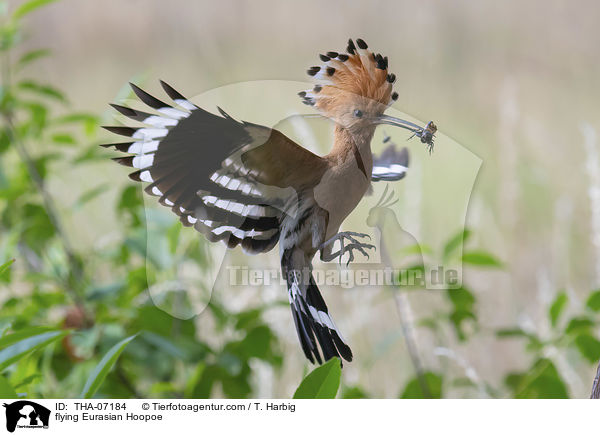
(358,80)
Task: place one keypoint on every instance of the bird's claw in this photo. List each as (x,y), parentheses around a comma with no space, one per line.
(359,247)
(350,235)
(354,244)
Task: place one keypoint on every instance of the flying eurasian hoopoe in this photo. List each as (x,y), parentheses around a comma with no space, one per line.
(246,184)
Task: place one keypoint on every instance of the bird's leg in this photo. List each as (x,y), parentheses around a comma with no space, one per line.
(327,247)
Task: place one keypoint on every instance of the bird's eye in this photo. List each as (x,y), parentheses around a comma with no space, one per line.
(358,113)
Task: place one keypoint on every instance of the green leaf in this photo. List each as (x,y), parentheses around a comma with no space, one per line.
(44,90)
(39,117)
(31,56)
(414,390)
(4,140)
(104,366)
(480,258)
(63,139)
(542,381)
(39,226)
(9,35)
(88,120)
(4,268)
(6,391)
(203,381)
(463,304)
(173,236)
(9,339)
(557,307)
(511,332)
(237,387)
(588,346)
(354,393)
(461,298)
(28,380)
(130,202)
(89,154)
(90,194)
(16,345)
(165,345)
(415,249)
(455,242)
(257,343)
(322,383)
(533,344)
(79,117)
(578,325)
(593,301)
(29,7)
(152,318)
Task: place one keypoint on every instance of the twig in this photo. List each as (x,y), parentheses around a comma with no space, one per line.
(403,308)
(596,386)
(592,160)
(469,370)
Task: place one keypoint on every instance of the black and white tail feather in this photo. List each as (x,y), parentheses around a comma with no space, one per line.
(311,316)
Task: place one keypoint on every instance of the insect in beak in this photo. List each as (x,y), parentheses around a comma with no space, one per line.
(426,134)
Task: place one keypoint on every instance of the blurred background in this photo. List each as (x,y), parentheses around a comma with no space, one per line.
(513,88)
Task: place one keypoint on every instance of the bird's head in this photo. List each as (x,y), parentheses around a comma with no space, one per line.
(354,89)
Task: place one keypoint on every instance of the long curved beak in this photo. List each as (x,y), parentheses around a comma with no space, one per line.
(426,134)
(390,120)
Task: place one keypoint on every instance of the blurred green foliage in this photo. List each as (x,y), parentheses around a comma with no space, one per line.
(62,334)
(66,332)
(413,389)
(575,334)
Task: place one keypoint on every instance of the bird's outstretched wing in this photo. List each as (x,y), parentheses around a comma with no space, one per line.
(391,165)
(231,180)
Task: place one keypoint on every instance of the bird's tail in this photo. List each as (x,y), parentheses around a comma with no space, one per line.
(311,317)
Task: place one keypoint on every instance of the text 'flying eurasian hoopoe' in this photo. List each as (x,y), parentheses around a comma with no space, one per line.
(250,185)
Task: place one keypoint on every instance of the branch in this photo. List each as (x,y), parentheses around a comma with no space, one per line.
(403,308)
(596,386)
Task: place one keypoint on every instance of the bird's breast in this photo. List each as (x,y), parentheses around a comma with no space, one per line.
(340,191)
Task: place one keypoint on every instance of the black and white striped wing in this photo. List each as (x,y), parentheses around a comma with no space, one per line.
(193,161)
(391,165)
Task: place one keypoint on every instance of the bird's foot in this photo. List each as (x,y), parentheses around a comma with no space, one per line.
(346,248)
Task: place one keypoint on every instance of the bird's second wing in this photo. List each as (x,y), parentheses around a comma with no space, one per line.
(233,181)
(391,165)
